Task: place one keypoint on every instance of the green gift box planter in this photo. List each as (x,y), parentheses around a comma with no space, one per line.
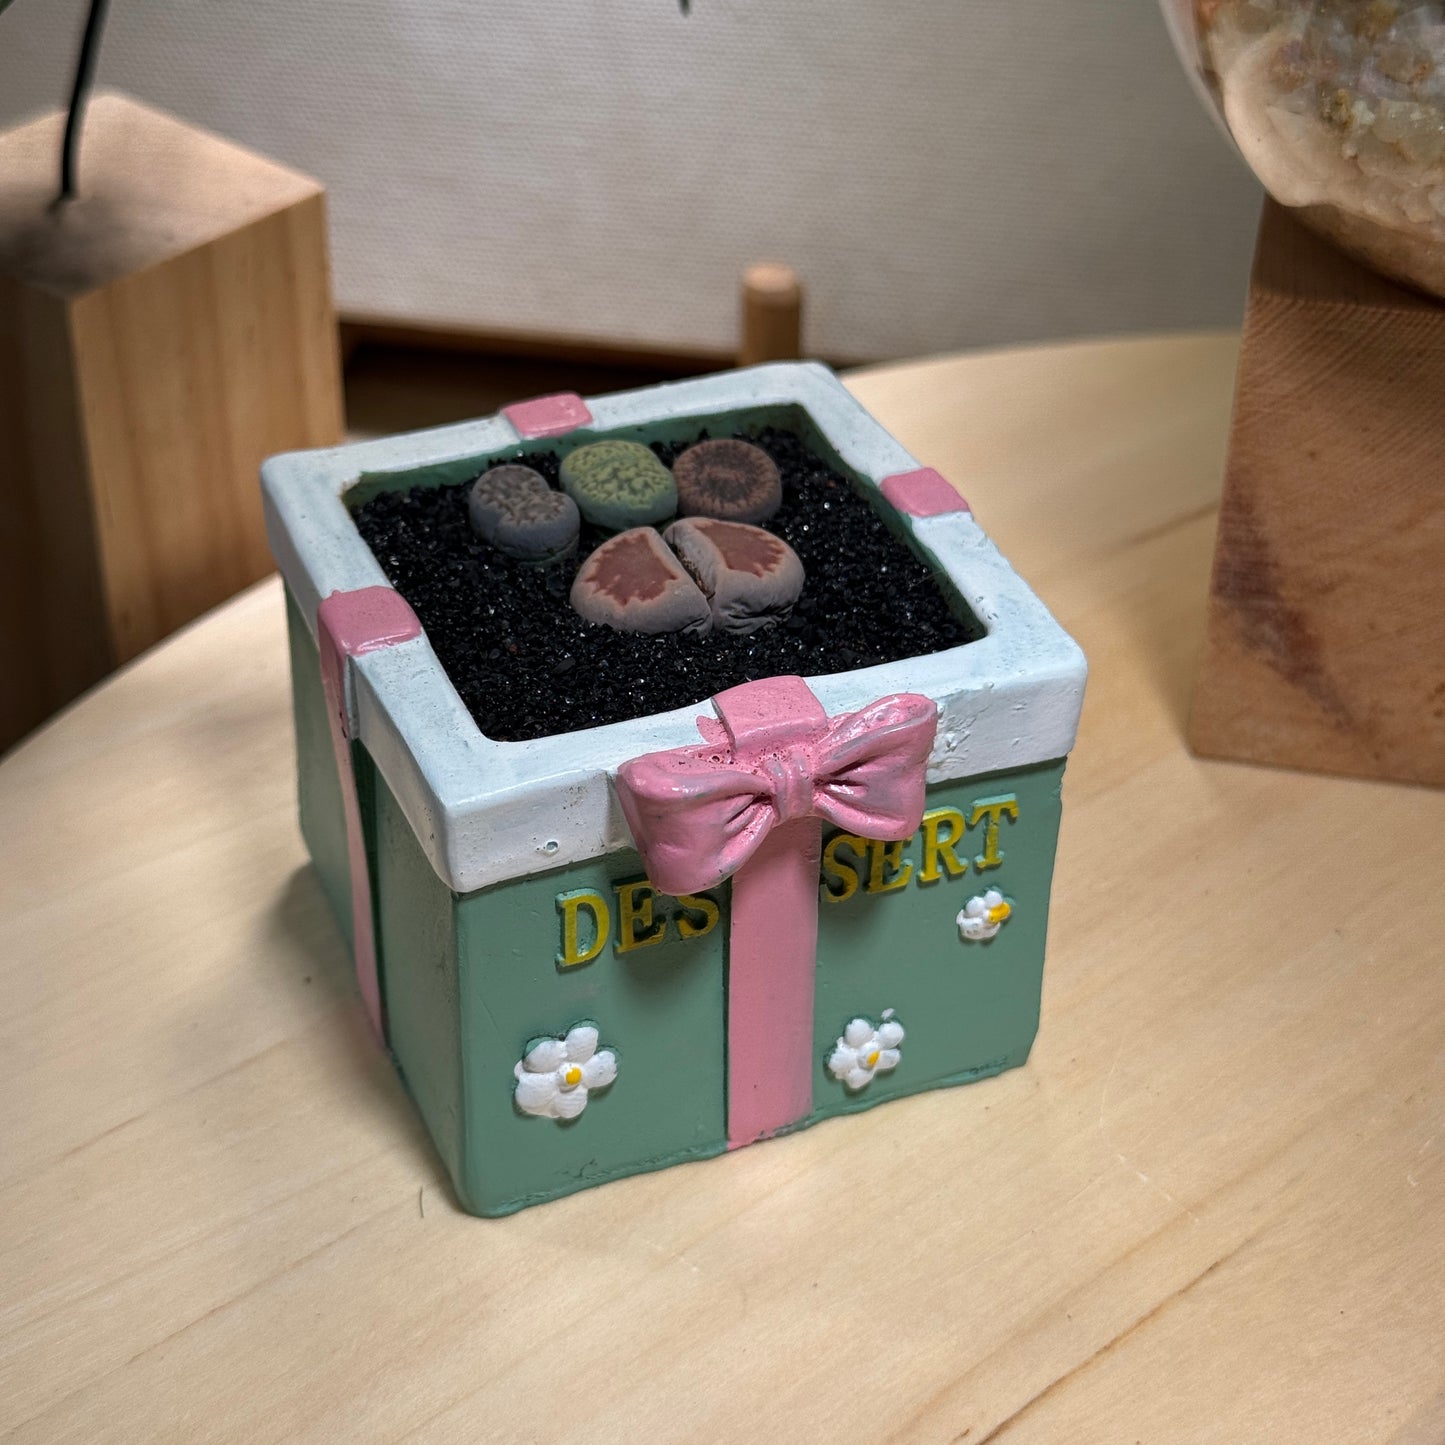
(611,950)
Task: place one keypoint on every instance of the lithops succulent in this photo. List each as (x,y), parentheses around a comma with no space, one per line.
(514,509)
(728,479)
(750,577)
(619,484)
(633,583)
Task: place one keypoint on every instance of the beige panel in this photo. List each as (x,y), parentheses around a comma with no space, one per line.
(940,173)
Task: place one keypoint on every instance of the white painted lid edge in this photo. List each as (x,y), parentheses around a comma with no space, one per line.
(486,811)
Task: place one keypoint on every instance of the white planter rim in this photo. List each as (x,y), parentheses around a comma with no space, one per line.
(486,811)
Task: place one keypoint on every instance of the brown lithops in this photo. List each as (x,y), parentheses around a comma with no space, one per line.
(518,513)
(731,480)
(751,578)
(633,583)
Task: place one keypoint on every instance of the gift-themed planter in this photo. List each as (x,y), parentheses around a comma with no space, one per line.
(612,949)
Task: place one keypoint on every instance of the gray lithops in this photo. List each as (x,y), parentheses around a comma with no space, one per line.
(633,583)
(619,484)
(729,479)
(751,578)
(514,509)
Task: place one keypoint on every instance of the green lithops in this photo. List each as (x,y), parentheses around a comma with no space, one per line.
(619,484)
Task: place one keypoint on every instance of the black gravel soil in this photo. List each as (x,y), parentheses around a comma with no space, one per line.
(527,666)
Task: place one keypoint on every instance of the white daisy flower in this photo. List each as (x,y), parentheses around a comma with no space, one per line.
(983,915)
(555,1075)
(865,1050)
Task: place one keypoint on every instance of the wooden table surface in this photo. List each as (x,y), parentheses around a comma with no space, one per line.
(1211,1208)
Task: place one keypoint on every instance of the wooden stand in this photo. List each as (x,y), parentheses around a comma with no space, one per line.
(159,336)
(772,314)
(1325,643)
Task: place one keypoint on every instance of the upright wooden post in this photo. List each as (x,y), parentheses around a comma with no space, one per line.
(772,321)
(1325,641)
(159,335)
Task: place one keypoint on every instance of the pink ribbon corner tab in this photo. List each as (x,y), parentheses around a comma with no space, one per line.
(366,619)
(922,493)
(349,624)
(548,416)
(751,805)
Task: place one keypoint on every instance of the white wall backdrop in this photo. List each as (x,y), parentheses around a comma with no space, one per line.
(944,173)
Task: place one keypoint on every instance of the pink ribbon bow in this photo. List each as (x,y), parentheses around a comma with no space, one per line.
(749,803)
(698,814)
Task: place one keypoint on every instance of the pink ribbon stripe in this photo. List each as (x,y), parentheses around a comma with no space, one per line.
(347,625)
(750,803)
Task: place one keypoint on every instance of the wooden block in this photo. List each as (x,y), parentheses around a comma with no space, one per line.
(772,314)
(159,336)
(1325,641)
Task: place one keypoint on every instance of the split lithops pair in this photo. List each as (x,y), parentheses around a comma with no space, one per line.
(721,572)
(724,575)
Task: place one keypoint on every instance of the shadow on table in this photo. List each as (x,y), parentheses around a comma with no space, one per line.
(1159,615)
(1173,643)
(311,958)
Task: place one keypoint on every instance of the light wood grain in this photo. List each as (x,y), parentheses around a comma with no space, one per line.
(1209,1209)
(159,336)
(1325,645)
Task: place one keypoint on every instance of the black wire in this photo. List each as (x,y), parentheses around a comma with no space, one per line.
(80,93)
